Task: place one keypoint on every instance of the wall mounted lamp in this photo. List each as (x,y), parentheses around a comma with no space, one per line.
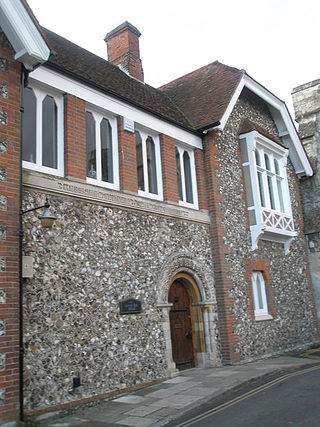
(47,219)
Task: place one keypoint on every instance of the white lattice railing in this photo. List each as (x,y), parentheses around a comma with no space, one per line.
(278,221)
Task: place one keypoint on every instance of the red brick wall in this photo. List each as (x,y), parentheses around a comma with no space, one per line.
(127,159)
(123,48)
(201,179)
(221,268)
(169,169)
(74,137)
(9,241)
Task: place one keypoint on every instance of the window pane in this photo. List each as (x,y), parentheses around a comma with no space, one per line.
(91,146)
(271,194)
(267,161)
(179,175)
(260,180)
(49,132)
(139,162)
(276,167)
(29,126)
(279,186)
(259,293)
(187,177)
(106,151)
(152,171)
(258,161)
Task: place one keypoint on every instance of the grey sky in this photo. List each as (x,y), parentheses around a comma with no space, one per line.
(275,41)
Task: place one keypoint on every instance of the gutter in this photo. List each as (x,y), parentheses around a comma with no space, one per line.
(208,128)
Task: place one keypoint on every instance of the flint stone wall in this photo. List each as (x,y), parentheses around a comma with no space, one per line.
(293,325)
(95,257)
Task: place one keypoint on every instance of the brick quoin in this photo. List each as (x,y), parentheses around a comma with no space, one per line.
(127,159)
(9,247)
(75,137)
(169,169)
(201,179)
(263,266)
(225,303)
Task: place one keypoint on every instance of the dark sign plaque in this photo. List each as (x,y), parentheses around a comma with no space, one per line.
(130,306)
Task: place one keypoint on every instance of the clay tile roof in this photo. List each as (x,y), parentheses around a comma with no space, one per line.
(247,125)
(204,94)
(82,65)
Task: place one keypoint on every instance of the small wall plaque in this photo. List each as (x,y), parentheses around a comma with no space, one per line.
(128,125)
(27,266)
(130,306)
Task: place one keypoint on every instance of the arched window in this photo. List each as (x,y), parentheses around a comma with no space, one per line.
(29,123)
(148,164)
(42,124)
(139,155)
(152,166)
(91,146)
(106,151)
(186,177)
(101,163)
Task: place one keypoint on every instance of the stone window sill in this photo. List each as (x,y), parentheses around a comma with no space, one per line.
(262,317)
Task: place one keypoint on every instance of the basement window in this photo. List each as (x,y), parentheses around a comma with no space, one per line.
(42,123)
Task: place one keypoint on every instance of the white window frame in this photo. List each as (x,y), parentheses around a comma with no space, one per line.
(145,133)
(271,224)
(259,313)
(98,116)
(181,149)
(40,94)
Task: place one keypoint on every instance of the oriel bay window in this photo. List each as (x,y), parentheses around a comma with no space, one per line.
(264,166)
(102,152)
(42,141)
(148,165)
(186,177)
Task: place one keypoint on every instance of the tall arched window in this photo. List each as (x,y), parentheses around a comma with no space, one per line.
(102,158)
(42,142)
(186,177)
(148,164)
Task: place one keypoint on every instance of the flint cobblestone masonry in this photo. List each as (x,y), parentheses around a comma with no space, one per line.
(3,296)
(3,174)
(306,101)
(95,257)
(2,328)
(2,264)
(4,90)
(2,361)
(3,203)
(293,324)
(3,117)
(2,396)
(3,146)
(3,232)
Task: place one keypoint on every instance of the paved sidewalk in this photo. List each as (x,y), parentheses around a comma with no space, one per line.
(159,404)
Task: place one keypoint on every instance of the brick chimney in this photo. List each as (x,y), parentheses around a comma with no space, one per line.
(123,49)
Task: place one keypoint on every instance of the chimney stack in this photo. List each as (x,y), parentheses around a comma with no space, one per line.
(123,49)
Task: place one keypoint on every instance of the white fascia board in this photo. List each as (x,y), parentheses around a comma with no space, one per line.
(92,96)
(25,38)
(286,121)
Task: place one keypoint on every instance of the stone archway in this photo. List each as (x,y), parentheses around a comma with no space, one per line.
(199,283)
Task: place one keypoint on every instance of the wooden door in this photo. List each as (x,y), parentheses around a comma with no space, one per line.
(181,326)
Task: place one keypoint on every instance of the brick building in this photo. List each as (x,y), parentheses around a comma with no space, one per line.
(179,236)
(306,100)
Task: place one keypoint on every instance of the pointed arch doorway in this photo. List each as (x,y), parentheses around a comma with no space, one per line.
(181,326)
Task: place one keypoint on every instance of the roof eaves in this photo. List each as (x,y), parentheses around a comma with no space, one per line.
(116,95)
